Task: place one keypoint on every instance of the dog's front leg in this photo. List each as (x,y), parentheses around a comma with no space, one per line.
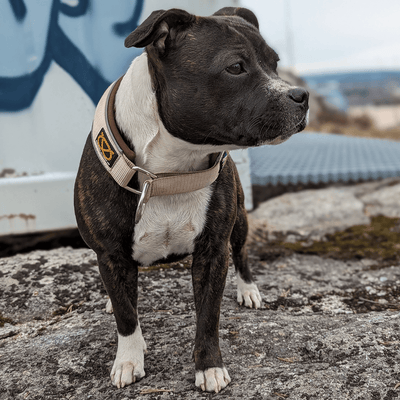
(120,276)
(209,275)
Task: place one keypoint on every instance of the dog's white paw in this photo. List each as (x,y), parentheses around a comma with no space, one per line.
(123,374)
(248,294)
(129,363)
(109,307)
(212,379)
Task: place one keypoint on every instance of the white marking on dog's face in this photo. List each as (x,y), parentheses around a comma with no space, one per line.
(290,119)
(248,294)
(212,379)
(277,85)
(129,361)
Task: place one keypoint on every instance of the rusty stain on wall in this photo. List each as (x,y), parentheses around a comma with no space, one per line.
(26,217)
(11,173)
(15,226)
(7,172)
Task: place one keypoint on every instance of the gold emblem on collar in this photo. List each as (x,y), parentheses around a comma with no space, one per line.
(106,148)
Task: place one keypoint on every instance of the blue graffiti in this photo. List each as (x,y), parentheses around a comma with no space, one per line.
(125,28)
(76,11)
(57,39)
(19,9)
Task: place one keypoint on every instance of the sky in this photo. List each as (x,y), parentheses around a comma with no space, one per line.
(319,36)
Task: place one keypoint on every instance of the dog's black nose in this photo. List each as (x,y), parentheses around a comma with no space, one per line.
(299,95)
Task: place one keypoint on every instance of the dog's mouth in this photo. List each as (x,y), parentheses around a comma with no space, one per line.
(257,133)
(276,135)
(296,128)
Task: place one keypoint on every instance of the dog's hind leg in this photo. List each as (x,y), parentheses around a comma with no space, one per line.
(247,291)
(120,276)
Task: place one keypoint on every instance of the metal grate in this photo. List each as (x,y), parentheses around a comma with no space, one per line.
(322,158)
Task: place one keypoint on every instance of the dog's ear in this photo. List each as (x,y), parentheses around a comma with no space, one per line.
(239,12)
(157,27)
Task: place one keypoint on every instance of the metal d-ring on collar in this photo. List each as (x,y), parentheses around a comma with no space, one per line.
(143,194)
(142,202)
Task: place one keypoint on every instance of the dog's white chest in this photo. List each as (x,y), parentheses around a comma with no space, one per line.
(170,225)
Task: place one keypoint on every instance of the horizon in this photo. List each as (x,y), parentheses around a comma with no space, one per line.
(343,72)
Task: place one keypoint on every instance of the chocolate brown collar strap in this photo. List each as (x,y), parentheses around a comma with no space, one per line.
(118,159)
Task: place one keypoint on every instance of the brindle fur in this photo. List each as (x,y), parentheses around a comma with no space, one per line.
(105,214)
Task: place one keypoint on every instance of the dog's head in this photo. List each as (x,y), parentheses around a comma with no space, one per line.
(216,79)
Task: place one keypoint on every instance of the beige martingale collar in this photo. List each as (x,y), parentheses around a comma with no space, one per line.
(118,159)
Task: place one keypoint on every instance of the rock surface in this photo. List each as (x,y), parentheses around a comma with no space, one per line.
(328,329)
(384,201)
(318,212)
(312,211)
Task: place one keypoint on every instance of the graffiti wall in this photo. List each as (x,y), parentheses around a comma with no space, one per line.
(57,58)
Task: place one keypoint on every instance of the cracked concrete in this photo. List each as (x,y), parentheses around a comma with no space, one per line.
(328,328)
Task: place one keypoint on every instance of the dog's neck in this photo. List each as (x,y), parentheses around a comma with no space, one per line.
(136,114)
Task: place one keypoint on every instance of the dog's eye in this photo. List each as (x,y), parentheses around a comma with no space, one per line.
(235,69)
